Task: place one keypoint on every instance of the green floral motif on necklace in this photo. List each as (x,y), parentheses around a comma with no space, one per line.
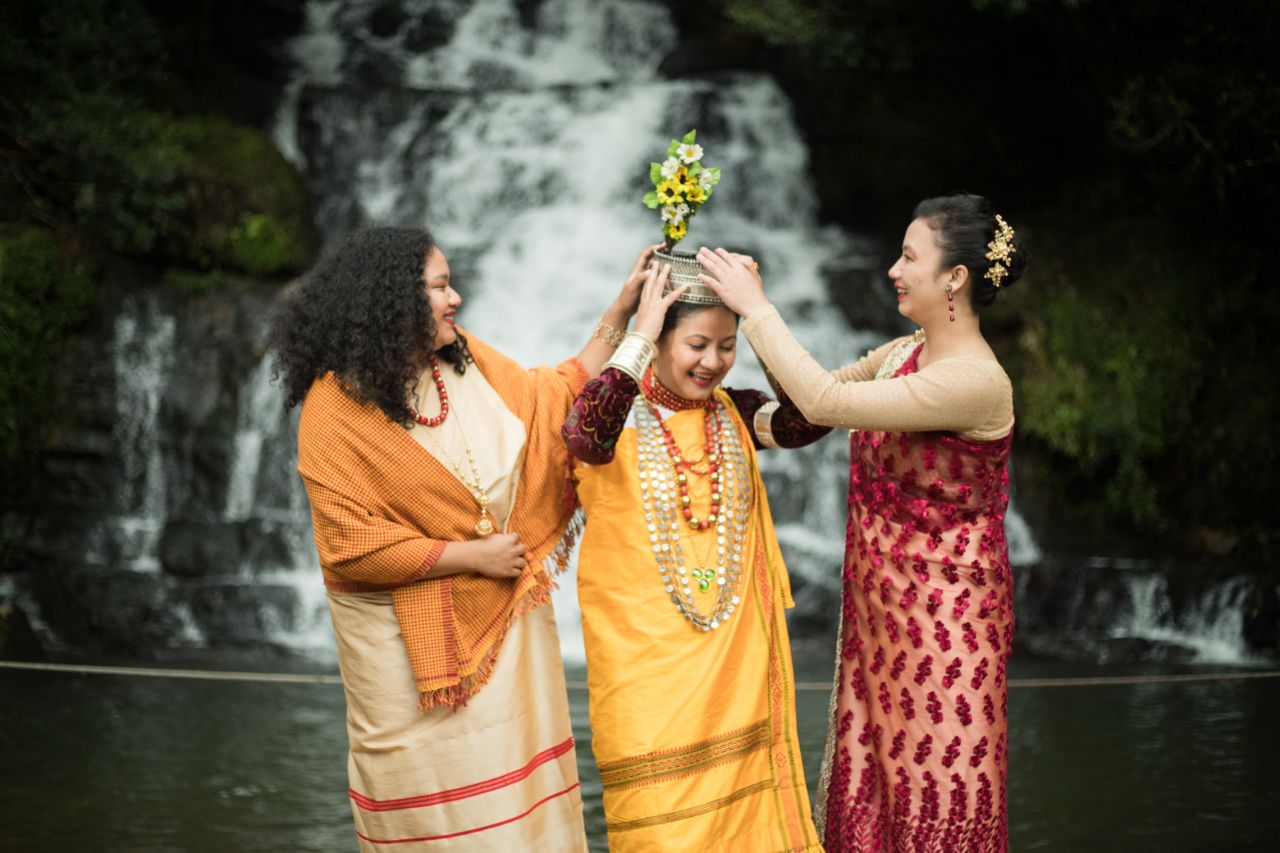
(704,577)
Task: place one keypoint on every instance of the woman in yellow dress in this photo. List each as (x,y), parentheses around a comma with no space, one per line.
(683,589)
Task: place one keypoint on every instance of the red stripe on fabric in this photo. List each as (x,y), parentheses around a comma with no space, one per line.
(524,814)
(371,805)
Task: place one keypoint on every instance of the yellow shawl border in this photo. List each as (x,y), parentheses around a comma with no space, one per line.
(771,580)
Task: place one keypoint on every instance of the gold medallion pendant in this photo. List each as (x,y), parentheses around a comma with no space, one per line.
(484,526)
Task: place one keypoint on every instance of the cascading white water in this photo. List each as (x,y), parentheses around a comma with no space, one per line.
(525,148)
(1210,626)
(142,354)
(260,417)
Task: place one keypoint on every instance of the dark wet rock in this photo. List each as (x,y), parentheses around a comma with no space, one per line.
(192,549)
(18,640)
(865,297)
(1262,616)
(265,546)
(486,75)
(102,609)
(428,31)
(239,613)
(387,19)
(817,609)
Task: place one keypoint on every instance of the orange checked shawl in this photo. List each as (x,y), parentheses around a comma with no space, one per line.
(383,509)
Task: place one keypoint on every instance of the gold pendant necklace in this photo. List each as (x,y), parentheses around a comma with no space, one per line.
(485,525)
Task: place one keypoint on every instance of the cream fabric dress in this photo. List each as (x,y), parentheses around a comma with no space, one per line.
(499,774)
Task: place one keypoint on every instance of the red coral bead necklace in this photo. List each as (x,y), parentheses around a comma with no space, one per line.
(655,393)
(444,399)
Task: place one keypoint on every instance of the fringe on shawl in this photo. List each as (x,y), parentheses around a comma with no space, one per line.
(553,564)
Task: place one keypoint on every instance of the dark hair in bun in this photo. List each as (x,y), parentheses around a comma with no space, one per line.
(963,225)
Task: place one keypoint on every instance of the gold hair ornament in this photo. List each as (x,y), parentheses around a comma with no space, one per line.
(999,251)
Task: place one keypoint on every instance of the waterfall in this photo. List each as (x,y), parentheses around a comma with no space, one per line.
(260,418)
(522,139)
(141,357)
(267,500)
(1210,625)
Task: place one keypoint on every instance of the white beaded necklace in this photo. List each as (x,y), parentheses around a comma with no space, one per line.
(658,493)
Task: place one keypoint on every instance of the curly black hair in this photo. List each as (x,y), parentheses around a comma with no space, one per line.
(362,313)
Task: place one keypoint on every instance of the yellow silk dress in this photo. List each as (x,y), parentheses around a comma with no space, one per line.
(694,731)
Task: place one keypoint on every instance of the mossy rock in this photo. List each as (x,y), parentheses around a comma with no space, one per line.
(246,208)
(43,298)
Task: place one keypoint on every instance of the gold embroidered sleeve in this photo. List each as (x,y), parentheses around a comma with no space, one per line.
(864,369)
(970,396)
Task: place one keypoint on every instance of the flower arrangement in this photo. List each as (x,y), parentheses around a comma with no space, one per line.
(681,185)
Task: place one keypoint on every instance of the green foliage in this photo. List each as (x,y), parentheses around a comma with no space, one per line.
(42,300)
(107,156)
(246,209)
(1133,145)
(262,246)
(1111,376)
(1131,363)
(195,282)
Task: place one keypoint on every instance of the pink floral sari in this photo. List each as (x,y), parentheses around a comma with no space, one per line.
(916,756)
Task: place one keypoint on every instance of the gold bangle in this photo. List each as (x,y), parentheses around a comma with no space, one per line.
(763,423)
(633,355)
(607,334)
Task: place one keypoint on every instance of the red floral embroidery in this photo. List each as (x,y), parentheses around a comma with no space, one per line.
(926,581)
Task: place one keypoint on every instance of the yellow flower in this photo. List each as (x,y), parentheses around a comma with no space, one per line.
(681,177)
(670,192)
(694,193)
(675,232)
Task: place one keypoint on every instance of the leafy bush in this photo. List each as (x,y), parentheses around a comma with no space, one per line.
(101,152)
(42,300)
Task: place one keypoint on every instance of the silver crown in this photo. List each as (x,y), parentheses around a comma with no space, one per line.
(684,271)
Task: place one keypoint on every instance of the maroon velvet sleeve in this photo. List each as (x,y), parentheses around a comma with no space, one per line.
(790,429)
(595,421)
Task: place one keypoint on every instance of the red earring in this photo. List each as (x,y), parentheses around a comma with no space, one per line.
(951,305)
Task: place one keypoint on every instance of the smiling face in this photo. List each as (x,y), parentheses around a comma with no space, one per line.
(442,299)
(694,356)
(919,281)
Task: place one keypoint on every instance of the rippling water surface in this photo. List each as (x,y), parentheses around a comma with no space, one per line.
(143,764)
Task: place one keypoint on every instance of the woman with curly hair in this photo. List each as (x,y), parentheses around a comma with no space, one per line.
(917,750)
(441,504)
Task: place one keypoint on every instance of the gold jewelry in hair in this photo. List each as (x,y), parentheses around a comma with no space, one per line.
(999,251)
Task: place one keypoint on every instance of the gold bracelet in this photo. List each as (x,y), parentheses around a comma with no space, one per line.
(763,423)
(608,334)
(633,355)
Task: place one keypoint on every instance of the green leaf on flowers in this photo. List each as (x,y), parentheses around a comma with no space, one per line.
(655,173)
(695,167)
(691,137)
(651,199)
(673,147)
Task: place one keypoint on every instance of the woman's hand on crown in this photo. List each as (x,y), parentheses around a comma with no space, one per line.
(653,302)
(735,278)
(629,298)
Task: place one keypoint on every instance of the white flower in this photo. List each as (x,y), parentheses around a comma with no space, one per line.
(669,167)
(683,209)
(689,153)
(674,214)
(704,179)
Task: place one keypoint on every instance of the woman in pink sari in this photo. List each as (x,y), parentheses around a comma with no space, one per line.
(917,751)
